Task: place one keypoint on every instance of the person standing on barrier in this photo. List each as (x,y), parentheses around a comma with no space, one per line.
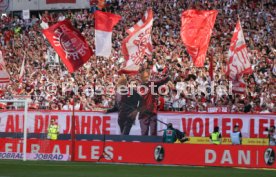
(126,103)
(236,136)
(53,130)
(215,137)
(149,104)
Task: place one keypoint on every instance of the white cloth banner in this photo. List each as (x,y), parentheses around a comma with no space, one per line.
(198,125)
(26,14)
(239,62)
(137,44)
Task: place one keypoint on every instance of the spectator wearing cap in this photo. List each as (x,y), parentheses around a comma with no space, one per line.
(236,136)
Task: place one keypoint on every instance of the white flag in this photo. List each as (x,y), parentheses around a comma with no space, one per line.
(239,62)
(137,44)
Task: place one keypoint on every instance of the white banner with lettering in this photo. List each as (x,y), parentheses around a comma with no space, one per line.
(198,125)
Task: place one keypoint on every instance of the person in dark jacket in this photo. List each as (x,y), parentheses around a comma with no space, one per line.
(149,104)
(126,104)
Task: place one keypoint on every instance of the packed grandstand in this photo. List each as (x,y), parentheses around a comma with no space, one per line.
(48,84)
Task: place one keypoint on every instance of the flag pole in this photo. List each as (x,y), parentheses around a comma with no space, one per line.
(73,134)
(73,122)
(211,61)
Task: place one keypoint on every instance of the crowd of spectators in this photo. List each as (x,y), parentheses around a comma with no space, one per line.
(48,85)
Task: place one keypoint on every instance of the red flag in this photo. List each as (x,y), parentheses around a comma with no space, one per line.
(69,44)
(59,1)
(137,44)
(238,63)
(196,32)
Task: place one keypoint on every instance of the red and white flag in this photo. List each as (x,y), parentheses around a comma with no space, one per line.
(137,44)
(4,75)
(69,44)
(104,23)
(196,30)
(238,63)
(21,75)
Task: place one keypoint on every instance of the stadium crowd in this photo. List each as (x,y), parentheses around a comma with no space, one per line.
(48,85)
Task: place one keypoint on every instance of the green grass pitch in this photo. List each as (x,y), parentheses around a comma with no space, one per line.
(10,168)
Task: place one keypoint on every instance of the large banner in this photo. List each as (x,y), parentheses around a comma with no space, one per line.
(59,1)
(39,5)
(144,153)
(4,4)
(195,125)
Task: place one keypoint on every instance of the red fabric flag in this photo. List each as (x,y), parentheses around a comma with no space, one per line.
(196,32)
(137,44)
(59,1)
(239,62)
(69,44)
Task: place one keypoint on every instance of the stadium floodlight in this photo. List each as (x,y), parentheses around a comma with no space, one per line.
(20,103)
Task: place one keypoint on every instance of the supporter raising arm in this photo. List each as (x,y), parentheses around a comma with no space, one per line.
(148,107)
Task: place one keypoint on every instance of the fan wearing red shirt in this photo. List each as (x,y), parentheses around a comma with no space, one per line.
(161,103)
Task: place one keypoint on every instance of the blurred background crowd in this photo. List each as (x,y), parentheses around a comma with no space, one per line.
(48,85)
